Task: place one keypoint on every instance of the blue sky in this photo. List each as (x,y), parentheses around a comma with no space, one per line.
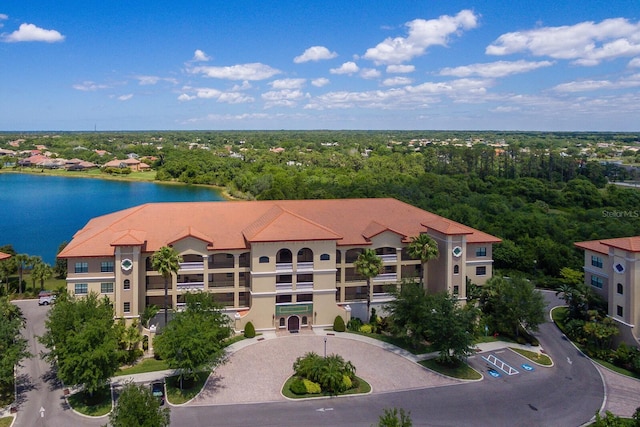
(460,65)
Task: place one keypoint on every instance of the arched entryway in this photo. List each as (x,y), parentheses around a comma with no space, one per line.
(293,323)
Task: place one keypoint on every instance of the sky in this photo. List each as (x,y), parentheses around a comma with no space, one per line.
(258,65)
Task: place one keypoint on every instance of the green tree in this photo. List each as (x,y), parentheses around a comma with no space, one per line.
(425,249)
(136,406)
(166,261)
(60,268)
(22,261)
(13,346)
(512,303)
(193,340)
(41,271)
(368,265)
(82,340)
(129,341)
(450,328)
(7,267)
(148,313)
(395,418)
(407,312)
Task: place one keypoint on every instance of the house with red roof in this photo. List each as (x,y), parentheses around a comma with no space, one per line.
(612,270)
(283,265)
(4,256)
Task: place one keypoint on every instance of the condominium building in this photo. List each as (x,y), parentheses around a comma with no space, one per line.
(279,264)
(612,270)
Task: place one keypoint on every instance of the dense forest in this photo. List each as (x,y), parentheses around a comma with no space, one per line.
(539,192)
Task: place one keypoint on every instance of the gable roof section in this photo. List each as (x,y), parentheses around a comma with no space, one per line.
(235,225)
(593,246)
(4,256)
(629,244)
(129,238)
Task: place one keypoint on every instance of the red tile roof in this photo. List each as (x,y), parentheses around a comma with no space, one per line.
(630,244)
(4,256)
(234,225)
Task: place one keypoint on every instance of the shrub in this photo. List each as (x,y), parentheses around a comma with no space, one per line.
(365,329)
(249,330)
(338,324)
(298,387)
(311,387)
(354,324)
(346,382)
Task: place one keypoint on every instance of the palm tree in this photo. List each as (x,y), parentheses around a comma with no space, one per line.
(22,261)
(166,261)
(368,265)
(41,271)
(424,248)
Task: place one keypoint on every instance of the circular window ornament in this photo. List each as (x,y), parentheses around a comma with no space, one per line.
(127,264)
(457,251)
(619,268)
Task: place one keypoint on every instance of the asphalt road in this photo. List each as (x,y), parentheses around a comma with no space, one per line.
(568,394)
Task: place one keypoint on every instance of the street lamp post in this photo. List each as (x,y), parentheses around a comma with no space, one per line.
(325,347)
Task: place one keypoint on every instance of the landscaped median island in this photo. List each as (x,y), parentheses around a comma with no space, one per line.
(539,358)
(97,404)
(316,376)
(191,386)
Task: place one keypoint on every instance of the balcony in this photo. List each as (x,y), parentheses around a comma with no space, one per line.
(305,266)
(284,287)
(304,286)
(389,258)
(222,284)
(284,267)
(191,266)
(386,277)
(190,286)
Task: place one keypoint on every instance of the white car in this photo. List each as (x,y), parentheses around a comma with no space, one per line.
(46,298)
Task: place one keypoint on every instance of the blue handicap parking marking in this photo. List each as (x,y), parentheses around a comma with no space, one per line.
(527,367)
(493,373)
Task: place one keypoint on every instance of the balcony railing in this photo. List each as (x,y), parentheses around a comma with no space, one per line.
(221,283)
(190,286)
(386,277)
(305,266)
(389,258)
(188,266)
(284,287)
(284,266)
(304,286)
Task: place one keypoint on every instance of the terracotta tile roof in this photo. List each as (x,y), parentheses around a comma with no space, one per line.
(234,225)
(630,244)
(4,256)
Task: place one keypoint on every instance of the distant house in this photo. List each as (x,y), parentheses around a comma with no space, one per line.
(77,165)
(101,152)
(4,256)
(133,164)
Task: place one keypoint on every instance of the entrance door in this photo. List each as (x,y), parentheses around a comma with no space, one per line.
(293,324)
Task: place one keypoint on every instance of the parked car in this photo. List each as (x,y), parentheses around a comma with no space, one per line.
(46,297)
(157,389)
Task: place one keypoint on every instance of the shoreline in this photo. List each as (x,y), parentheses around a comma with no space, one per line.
(122,178)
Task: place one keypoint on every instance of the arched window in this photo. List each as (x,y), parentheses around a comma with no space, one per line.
(620,288)
(282,322)
(264,260)
(305,255)
(127,284)
(284,256)
(325,257)
(304,320)
(456,269)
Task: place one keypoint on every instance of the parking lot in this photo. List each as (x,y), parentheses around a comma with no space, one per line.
(505,365)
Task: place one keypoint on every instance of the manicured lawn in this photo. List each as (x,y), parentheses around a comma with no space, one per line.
(147,365)
(541,359)
(191,388)
(6,421)
(363,387)
(461,371)
(97,405)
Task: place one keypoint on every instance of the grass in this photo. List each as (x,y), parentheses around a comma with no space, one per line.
(191,388)
(95,406)
(363,387)
(6,421)
(398,342)
(147,365)
(541,359)
(461,371)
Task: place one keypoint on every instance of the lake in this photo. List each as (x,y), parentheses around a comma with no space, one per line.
(38,213)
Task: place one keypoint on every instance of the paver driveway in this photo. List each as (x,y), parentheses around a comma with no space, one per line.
(256,373)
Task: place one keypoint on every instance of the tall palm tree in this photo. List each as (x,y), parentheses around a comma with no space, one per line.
(368,265)
(41,271)
(22,261)
(424,248)
(166,261)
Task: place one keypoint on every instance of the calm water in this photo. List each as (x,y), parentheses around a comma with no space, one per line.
(37,213)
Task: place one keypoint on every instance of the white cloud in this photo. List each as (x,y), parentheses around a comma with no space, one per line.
(152,80)
(495,69)
(320,82)
(185,97)
(346,68)
(285,97)
(3,17)
(125,97)
(591,85)
(89,86)
(253,71)
(397,81)
(231,97)
(400,69)
(31,33)
(315,53)
(421,35)
(288,83)
(369,73)
(634,63)
(200,56)
(586,43)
